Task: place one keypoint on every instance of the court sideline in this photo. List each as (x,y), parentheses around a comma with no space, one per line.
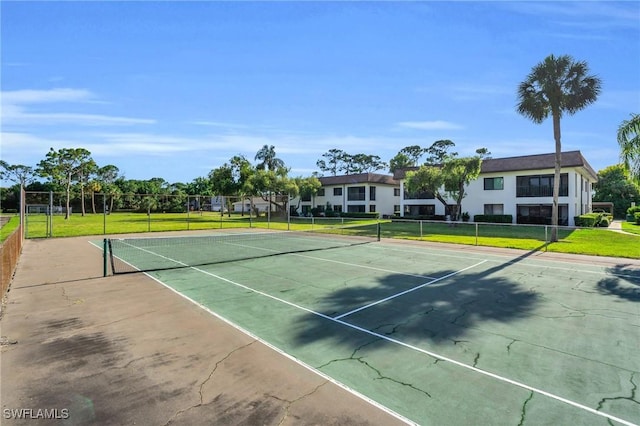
(125,350)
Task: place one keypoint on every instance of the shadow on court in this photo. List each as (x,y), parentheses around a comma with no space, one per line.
(625,284)
(444,310)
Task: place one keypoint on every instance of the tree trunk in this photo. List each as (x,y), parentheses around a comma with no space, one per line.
(556,177)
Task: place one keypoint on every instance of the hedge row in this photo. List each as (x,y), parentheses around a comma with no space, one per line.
(493,218)
(591,220)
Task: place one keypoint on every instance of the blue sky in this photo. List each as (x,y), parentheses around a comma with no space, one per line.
(175,89)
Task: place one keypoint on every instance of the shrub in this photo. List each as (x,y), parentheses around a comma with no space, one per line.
(637,216)
(590,220)
(374,215)
(605,221)
(424,217)
(493,218)
(633,210)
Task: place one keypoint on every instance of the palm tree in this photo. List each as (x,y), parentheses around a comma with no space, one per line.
(267,156)
(629,140)
(556,86)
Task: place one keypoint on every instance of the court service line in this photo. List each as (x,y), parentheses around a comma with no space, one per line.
(426,352)
(402,293)
(409,346)
(334,261)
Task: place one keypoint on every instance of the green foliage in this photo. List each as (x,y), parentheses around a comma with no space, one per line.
(615,186)
(339,161)
(590,220)
(633,210)
(362,215)
(629,141)
(493,218)
(637,217)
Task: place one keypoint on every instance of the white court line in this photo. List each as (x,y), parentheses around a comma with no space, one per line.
(335,261)
(524,262)
(400,343)
(402,293)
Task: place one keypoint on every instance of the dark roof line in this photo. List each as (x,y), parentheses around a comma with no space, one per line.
(359,178)
(526,162)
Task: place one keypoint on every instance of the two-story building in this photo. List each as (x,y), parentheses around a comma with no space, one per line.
(518,186)
(362,192)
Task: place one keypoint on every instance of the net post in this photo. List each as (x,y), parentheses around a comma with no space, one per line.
(378,231)
(104,257)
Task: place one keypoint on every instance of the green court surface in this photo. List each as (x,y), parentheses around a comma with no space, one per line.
(439,336)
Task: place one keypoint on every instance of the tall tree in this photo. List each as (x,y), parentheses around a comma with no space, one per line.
(106,178)
(438,152)
(83,176)
(556,86)
(62,167)
(629,141)
(17,173)
(400,161)
(268,160)
(332,162)
(413,153)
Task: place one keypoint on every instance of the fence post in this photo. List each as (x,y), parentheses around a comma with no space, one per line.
(476,233)
(104,215)
(421,228)
(546,238)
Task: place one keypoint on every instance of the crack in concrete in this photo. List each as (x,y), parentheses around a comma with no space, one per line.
(215,367)
(289,404)
(523,413)
(476,359)
(509,345)
(632,398)
(380,375)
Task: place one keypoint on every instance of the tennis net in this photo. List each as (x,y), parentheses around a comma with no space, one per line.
(127,255)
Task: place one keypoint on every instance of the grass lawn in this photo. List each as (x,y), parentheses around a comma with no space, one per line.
(598,241)
(631,227)
(9,227)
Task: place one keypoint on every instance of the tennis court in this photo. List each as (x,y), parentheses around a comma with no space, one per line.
(436,334)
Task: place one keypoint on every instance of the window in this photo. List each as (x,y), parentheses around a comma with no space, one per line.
(396,192)
(493,183)
(396,209)
(424,195)
(372,193)
(372,208)
(540,214)
(337,208)
(540,185)
(305,197)
(337,192)
(358,208)
(355,193)
(306,210)
(320,192)
(494,209)
(426,210)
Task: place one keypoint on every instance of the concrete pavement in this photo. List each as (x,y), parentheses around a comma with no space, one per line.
(81,349)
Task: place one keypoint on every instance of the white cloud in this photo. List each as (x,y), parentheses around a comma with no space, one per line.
(15,109)
(430,125)
(19,97)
